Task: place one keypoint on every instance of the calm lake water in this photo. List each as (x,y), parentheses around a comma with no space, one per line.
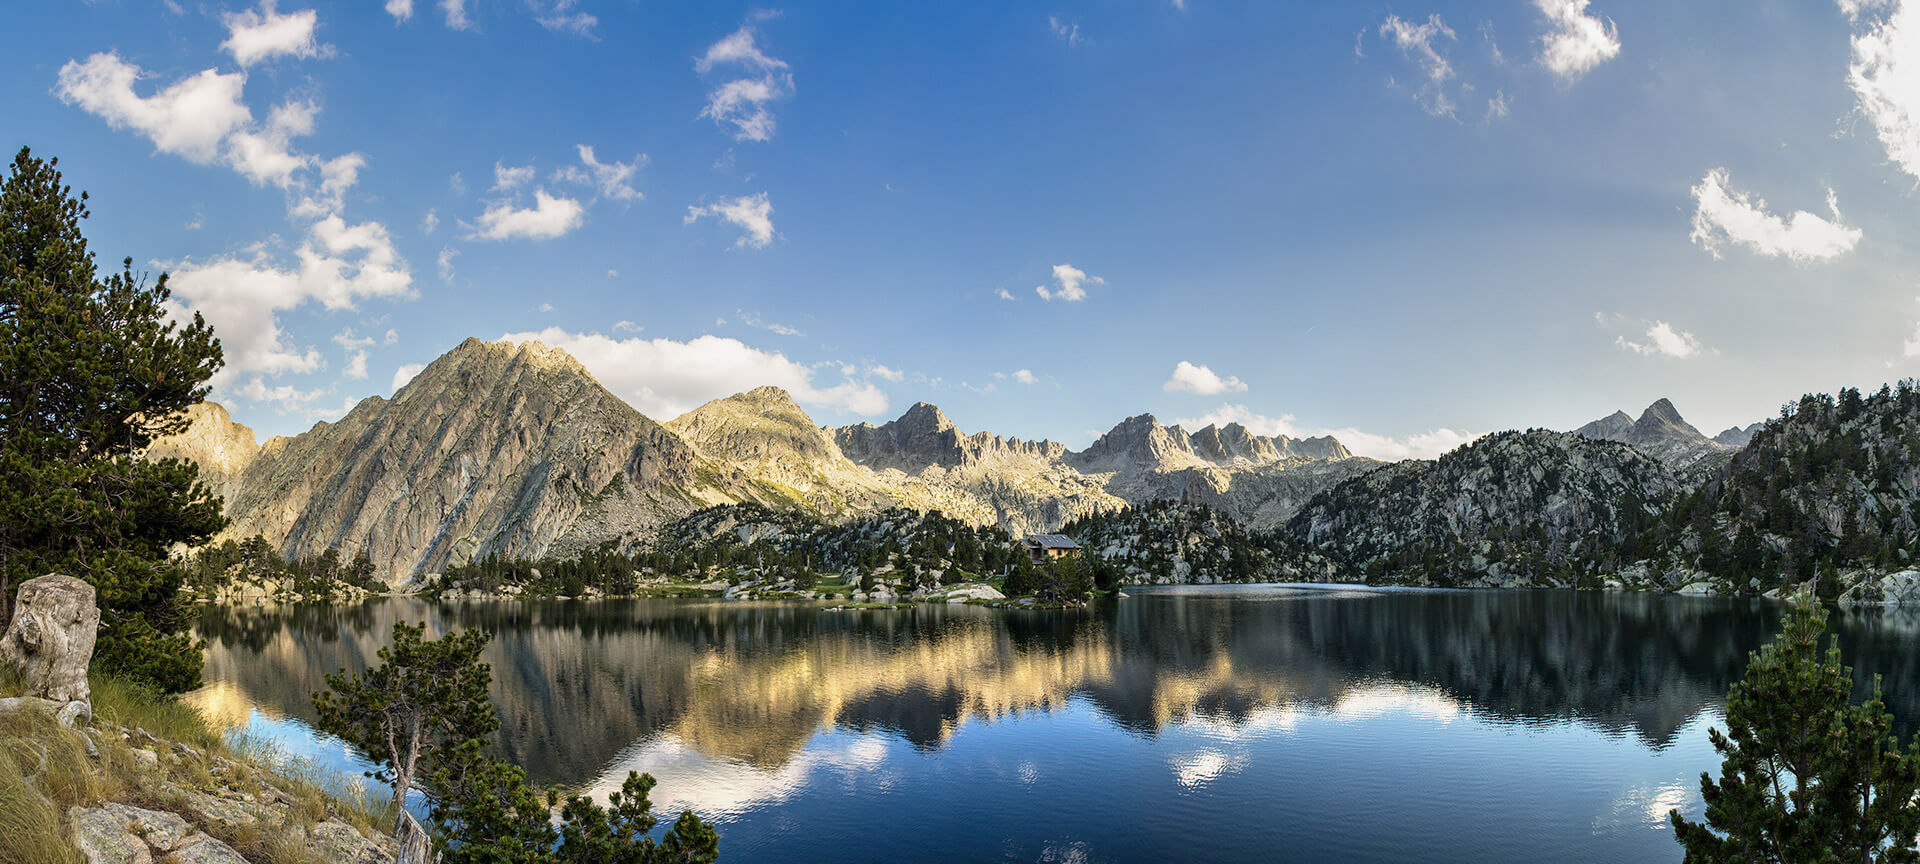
(1243,723)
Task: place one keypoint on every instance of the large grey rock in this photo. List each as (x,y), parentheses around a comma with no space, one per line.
(340,843)
(124,834)
(51,637)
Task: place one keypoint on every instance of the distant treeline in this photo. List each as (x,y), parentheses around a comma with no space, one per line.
(254,561)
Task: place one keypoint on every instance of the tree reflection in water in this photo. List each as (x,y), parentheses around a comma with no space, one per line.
(580,683)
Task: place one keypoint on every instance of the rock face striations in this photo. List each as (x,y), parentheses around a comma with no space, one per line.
(222,448)
(492,449)
(515,450)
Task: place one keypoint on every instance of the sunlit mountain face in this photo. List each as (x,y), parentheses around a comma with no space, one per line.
(1428,712)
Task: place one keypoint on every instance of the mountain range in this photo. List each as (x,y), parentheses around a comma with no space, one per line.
(515,450)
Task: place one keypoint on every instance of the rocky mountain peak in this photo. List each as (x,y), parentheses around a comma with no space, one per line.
(221,447)
(1660,432)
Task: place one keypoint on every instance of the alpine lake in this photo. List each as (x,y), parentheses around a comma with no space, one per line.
(1205,723)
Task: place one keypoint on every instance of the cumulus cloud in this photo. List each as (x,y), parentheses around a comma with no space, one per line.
(1421,45)
(202,119)
(287,398)
(1884,73)
(665,378)
(405,374)
(1577,42)
(444,263)
(1024,376)
(1423,445)
(750,213)
(1200,379)
(886,373)
(266,155)
(1724,215)
(188,118)
(549,217)
(742,102)
(401,10)
(1004,294)
(337,266)
(1662,340)
(1069,284)
(262,34)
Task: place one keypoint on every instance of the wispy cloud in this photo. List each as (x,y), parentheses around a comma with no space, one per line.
(743,102)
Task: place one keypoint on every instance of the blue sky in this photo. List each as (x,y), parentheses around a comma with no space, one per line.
(1404,223)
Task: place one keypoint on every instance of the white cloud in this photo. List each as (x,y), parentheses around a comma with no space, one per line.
(1662,339)
(188,118)
(1724,215)
(456,12)
(1578,42)
(1070,33)
(287,397)
(1418,43)
(430,222)
(742,102)
(886,373)
(266,155)
(1200,379)
(356,365)
(1423,445)
(664,378)
(347,404)
(445,263)
(240,296)
(349,340)
(392,336)
(507,177)
(256,35)
(195,116)
(1884,73)
(405,373)
(751,213)
(1069,280)
(1024,376)
(401,10)
(1498,107)
(561,16)
(1005,294)
(549,217)
(611,180)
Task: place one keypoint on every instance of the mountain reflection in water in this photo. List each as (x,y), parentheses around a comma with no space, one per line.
(739,704)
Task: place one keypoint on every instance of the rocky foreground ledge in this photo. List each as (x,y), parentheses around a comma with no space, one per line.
(168,802)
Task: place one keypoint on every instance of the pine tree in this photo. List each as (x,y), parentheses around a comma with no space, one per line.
(1806,775)
(92,369)
(411,713)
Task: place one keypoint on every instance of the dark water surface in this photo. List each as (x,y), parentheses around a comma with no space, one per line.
(1247,723)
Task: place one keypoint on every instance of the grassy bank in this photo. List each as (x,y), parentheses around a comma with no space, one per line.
(155,752)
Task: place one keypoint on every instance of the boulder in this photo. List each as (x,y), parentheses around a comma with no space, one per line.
(124,834)
(51,637)
(339,843)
